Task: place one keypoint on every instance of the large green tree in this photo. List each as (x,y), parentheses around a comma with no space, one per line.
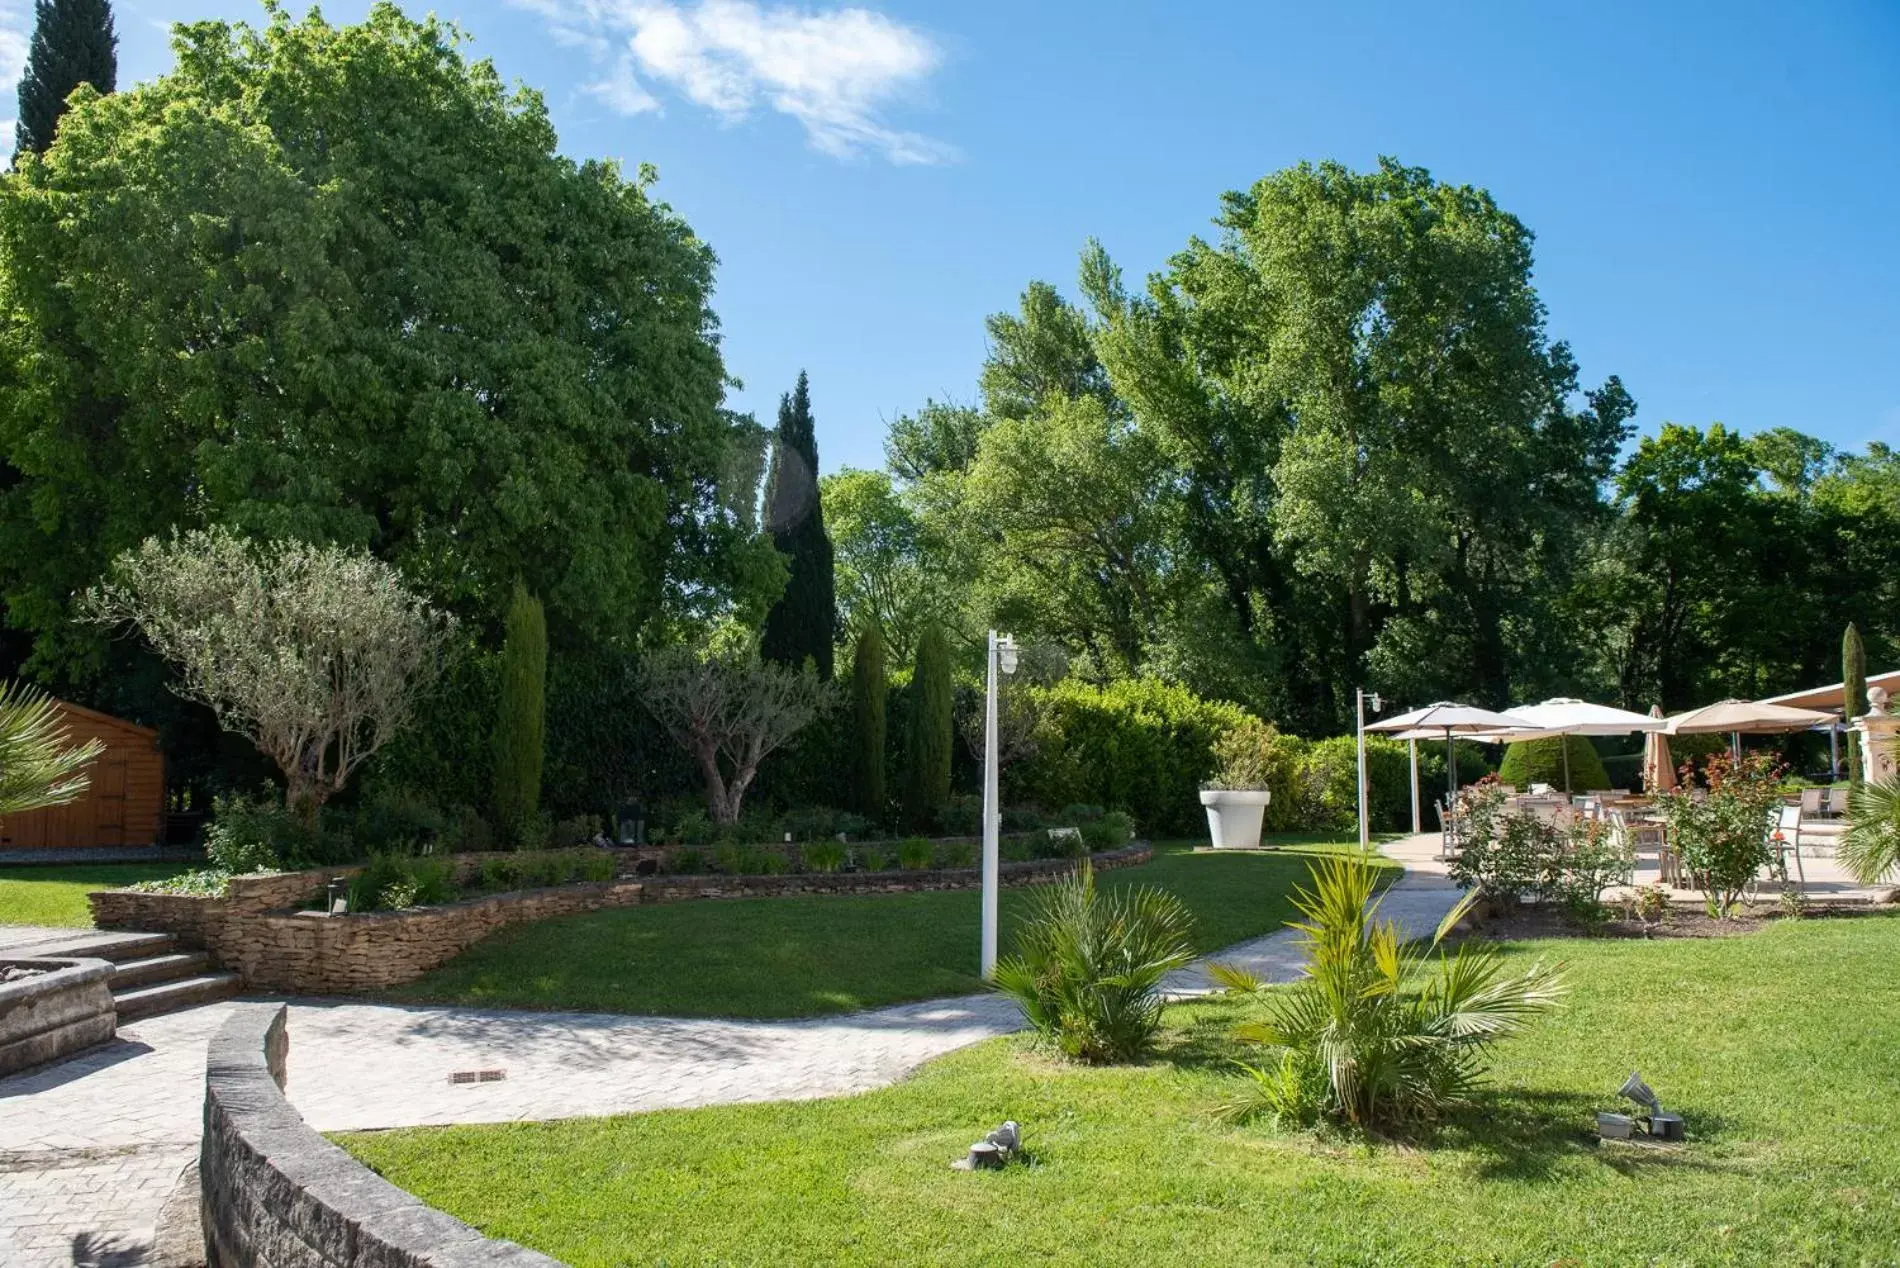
(803,624)
(338,283)
(73,44)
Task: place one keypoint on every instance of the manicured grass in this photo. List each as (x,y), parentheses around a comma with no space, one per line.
(57,895)
(1778,1047)
(794,957)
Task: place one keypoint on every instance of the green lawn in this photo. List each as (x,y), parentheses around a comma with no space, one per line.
(794,957)
(1778,1047)
(57,895)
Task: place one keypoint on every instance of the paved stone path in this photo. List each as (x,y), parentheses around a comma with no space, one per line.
(90,1148)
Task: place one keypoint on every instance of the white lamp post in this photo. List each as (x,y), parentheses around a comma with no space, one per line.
(1360,701)
(1002,657)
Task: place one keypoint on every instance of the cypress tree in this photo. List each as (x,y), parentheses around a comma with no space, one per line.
(73,43)
(521,715)
(868,691)
(1853,694)
(804,622)
(927,774)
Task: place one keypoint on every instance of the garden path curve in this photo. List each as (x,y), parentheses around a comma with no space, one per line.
(89,1148)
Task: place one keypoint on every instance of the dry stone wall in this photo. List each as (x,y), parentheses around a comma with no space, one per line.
(278,1195)
(254,932)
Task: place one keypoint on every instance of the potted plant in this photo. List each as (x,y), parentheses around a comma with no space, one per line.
(1236,798)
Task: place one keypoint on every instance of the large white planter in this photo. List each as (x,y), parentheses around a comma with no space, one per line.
(1234,816)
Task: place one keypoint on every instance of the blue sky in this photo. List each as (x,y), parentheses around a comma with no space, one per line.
(1713,187)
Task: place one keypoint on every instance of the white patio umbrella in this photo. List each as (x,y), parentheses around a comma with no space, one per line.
(1446,719)
(1565,716)
(1745,717)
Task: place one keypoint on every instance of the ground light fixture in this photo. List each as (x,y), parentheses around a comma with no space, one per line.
(1655,1123)
(1002,660)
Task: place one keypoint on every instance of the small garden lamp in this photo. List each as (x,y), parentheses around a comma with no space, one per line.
(1002,660)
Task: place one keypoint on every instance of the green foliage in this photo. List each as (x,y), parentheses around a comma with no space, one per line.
(1513,855)
(1530,762)
(575,830)
(73,43)
(209,882)
(1374,1033)
(541,869)
(260,834)
(871,858)
(869,693)
(959,854)
(39,766)
(521,715)
(1088,965)
(1871,847)
(803,624)
(1723,837)
(1853,694)
(394,882)
(688,862)
(397,819)
(825,856)
(915,854)
(927,755)
(1141,745)
(1109,832)
(339,283)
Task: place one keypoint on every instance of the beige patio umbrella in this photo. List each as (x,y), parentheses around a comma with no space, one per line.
(1659,770)
(1746,717)
(1445,719)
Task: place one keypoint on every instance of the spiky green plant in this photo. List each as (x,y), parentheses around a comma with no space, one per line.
(1379,1032)
(39,767)
(1088,965)
(1870,847)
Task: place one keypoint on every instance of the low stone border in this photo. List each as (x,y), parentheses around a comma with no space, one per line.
(278,1195)
(251,931)
(65,1006)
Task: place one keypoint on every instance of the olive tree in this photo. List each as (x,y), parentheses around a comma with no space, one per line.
(730,710)
(317,654)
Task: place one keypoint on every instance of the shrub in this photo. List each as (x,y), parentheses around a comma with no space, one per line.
(825,856)
(932,725)
(209,882)
(1723,837)
(688,862)
(872,859)
(1016,849)
(1370,1035)
(395,819)
(1530,762)
(962,816)
(392,882)
(915,854)
(1112,831)
(576,830)
(870,689)
(521,714)
(695,827)
(811,823)
(957,854)
(1078,813)
(259,834)
(464,829)
(1141,744)
(1511,855)
(1088,965)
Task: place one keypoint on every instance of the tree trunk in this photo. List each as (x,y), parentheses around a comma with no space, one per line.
(719,802)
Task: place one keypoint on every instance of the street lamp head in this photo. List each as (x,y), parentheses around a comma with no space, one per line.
(1006,654)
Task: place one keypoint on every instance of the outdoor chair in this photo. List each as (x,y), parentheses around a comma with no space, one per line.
(1645,836)
(1833,802)
(1784,837)
(1814,801)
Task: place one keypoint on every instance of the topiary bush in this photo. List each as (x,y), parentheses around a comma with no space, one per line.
(1530,762)
(932,725)
(870,690)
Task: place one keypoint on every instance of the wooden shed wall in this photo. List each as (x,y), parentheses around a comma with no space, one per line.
(124,803)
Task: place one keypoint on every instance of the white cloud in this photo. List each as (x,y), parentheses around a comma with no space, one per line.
(836,71)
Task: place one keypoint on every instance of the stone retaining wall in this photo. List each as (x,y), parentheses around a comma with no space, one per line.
(308,952)
(278,1195)
(63,1006)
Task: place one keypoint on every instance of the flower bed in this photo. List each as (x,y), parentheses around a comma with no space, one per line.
(256,931)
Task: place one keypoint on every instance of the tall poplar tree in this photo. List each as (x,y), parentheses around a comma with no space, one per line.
(521,716)
(1853,694)
(804,621)
(927,755)
(73,44)
(869,689)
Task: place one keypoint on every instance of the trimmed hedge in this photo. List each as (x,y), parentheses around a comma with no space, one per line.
(1140,745)
(1542,762)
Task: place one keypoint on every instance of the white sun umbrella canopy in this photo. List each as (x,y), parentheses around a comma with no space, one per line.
(1565,716)
(1444,720)
(1746,717)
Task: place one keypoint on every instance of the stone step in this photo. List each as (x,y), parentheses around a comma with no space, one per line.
(116,947)
(167,997)
(169,967)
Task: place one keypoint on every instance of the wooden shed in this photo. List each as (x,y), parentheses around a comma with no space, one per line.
(124,802)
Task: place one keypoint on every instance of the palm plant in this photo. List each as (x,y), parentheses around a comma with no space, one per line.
(1378,1032)
(1088,965)
(38,766)
(1871,845)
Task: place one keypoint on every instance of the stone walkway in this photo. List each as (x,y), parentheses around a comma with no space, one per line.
(90,1148)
